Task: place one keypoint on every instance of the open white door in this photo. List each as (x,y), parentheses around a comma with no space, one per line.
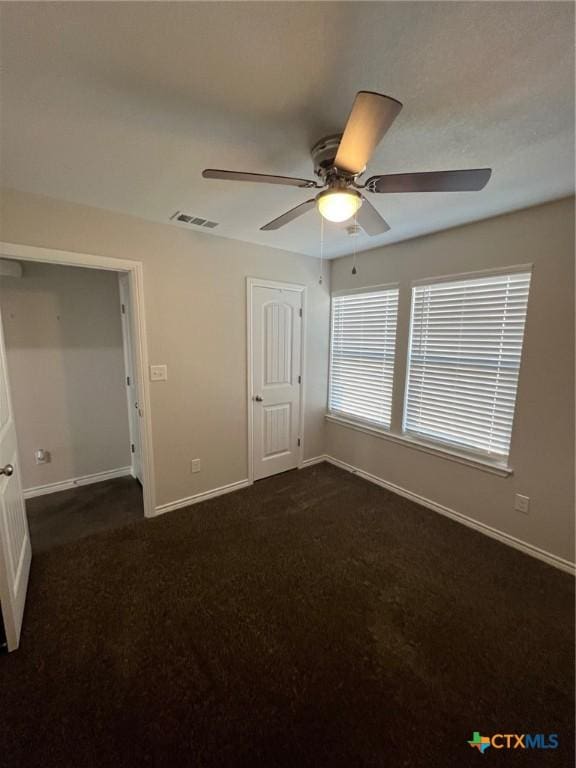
(134,409)
(276,345)
(15,548)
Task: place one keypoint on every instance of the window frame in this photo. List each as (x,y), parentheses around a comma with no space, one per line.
(341,415)
(497,465)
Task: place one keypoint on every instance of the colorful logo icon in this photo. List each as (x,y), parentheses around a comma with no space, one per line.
(481,743)
(514,741)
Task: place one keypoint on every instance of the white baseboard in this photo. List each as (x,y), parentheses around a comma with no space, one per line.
(73,482)
(494,533)
(198,497)
(487,530)
(230,488)
(311,462)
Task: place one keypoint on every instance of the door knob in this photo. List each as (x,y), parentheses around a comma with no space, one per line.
(258,398)
(8,470)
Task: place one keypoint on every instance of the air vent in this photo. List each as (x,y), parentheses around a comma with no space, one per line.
(197,221)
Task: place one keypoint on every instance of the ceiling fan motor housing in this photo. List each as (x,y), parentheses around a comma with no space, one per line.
(323,154)
(340,160)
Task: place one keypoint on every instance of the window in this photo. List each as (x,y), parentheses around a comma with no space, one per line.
(464,359)
(363,344)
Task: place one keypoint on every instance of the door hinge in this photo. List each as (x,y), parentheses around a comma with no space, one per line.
(128,380)
(299,379)
(299,442)
(300,311)
(132,447)
(123,309)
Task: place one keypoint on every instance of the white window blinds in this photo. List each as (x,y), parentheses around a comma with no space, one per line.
(363,343)
(464,359)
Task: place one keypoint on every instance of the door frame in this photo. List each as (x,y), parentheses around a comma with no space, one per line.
(135,272)
(130,379)
(257,282)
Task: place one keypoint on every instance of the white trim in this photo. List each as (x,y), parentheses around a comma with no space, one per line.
(485,465)
(487,530)
(257,282)
(249,380)
(136,291)
(74,482)
(312,461)
(503,538)
(204,496)
(303,334)
(262,282)
(67,258)
(128,354)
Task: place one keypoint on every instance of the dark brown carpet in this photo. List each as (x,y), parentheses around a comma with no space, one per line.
(59,518)
(313,619)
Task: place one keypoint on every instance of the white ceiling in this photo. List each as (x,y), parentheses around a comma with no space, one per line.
(121,106)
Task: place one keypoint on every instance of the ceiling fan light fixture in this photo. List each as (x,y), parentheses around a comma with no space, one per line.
(340,158)
(338,204)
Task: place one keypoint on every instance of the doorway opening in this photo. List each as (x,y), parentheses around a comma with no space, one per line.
(69,360)
(15,544)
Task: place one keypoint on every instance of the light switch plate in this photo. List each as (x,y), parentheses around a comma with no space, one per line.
(521,503)
(158,373)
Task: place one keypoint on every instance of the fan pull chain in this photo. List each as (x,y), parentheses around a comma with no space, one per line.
(321,250)
(354,270)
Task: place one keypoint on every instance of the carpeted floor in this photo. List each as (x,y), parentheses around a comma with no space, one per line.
(59,518)
(312,619)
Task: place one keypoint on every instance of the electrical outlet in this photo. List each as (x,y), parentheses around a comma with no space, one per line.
(521,503)
(158,373)
(41,456)
(195,465)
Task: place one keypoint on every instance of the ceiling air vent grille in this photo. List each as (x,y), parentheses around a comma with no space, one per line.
(196,221)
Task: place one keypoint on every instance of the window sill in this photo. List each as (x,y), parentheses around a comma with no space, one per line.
(485,465)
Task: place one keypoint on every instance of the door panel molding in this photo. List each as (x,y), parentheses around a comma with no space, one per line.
(251,284)
(15,547)
(276,424)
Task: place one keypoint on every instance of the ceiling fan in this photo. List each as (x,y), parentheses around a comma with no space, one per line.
(340,160)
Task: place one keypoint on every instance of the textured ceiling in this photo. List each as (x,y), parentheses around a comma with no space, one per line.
(121,106)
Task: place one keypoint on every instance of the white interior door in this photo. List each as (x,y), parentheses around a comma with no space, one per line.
(15,548)
(134,409)
(276,379)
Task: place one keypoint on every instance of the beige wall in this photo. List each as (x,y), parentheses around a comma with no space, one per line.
(195,314)
(195,295)
(64,347)
(542,451)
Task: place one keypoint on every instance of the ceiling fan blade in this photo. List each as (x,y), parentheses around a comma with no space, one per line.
(262,178)
(290,215)
(370,220)
(434,181)
(372,114)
